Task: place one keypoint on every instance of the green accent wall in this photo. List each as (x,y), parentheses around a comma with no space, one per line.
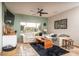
(28,18)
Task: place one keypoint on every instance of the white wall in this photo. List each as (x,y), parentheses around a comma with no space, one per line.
(0,26)
(73,23)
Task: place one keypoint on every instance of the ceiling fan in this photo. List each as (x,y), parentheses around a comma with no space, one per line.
(40,11)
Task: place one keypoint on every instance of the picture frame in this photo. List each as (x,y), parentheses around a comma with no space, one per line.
(60,24)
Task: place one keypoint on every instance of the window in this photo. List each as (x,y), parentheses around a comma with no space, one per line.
(35,25)
(30,27)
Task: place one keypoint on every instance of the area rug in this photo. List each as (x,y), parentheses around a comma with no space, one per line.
(54,51)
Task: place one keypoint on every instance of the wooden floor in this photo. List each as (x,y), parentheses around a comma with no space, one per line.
(21,50)
(27,50)
(73,52)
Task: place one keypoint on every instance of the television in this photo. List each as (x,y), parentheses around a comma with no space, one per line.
(8,16)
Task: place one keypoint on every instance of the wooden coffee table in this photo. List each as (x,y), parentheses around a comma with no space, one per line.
(46,41)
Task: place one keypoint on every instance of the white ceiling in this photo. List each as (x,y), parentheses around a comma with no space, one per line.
(52,8)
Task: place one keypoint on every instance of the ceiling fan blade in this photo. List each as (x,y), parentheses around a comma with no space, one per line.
(41,10)
(44,13)
(34,13)
(38,12)
(32,10)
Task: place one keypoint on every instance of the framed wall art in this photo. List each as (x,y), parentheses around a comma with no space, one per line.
(60,24)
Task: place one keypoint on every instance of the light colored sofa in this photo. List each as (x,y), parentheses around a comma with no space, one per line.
(28,37)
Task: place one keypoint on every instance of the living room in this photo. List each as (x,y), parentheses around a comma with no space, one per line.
(51,24)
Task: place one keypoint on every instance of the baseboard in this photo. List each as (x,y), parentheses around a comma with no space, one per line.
(76,46)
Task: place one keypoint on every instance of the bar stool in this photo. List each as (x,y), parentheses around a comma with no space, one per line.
(71,43)
(67,43)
